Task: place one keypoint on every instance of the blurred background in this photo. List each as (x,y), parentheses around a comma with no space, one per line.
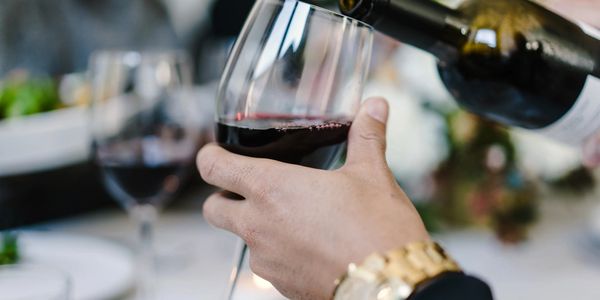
(516,209)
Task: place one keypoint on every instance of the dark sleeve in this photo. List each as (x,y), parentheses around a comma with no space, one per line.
(453,286)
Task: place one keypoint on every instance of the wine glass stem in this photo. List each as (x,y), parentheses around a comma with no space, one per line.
(241,250)
(145,216)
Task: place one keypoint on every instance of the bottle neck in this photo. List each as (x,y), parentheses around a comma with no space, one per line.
(422,23)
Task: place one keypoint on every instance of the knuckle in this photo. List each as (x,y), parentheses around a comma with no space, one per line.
(263,191)
(262,185)
(207,162)
(249,235)
(374,137)
(243,176)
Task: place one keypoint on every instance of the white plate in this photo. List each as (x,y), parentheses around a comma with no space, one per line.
(44,141)
(63,137)
(98,269)
(33,282)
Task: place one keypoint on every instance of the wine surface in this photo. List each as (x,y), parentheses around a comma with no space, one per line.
(316,143)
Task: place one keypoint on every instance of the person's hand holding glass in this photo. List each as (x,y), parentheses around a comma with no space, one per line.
(292,85)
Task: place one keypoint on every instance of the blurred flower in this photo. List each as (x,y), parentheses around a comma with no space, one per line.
(495,158)
(542,157)
(418,73)
(462,169)
(464,127)
(416,135)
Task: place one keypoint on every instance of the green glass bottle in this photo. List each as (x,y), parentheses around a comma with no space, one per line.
(512,61)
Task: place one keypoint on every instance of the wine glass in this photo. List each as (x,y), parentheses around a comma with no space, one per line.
(292,86)
(145,136)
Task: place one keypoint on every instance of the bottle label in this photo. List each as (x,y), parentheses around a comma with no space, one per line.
(582,120)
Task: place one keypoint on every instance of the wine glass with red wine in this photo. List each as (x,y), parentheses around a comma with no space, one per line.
(145,136)
(292,86)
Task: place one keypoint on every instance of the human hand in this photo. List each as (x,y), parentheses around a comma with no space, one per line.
(304,226)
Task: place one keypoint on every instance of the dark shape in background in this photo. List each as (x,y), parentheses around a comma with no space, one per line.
(57,37)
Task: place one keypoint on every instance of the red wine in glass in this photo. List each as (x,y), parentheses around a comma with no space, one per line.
(315,142)
(137,178)
(140,181)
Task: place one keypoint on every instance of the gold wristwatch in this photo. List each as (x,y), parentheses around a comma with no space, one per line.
(395,275)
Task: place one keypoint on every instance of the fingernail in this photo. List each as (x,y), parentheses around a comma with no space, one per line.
(378,110)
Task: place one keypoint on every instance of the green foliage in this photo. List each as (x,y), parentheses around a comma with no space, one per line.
(480,183)
(22,97)
(430,216)
(9,250)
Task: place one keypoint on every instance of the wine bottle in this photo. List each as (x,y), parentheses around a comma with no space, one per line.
(512,61)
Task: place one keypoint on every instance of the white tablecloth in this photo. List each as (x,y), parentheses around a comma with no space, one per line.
(558,262)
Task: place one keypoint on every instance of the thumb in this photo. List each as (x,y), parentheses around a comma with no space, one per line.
(366,140)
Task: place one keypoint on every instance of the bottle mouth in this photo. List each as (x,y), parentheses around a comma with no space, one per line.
(357,9)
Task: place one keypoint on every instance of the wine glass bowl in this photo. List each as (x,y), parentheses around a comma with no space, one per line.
(293,83)
(143,123)
(146,130)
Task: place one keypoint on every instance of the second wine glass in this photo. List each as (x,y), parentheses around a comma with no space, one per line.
(292,86)
(145,136)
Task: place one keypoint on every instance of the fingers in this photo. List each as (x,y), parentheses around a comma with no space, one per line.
(223,212)
(366,140)
(236,173)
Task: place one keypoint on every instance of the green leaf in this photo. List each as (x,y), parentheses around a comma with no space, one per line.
(21,98)
(9,252)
